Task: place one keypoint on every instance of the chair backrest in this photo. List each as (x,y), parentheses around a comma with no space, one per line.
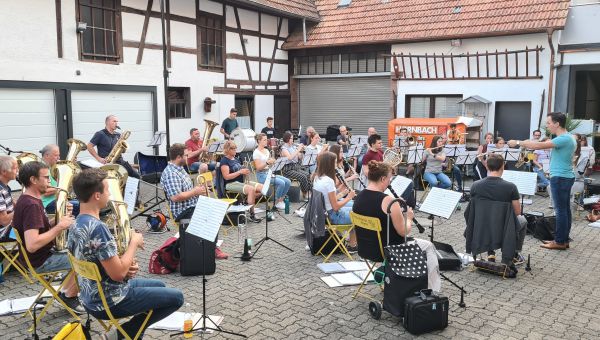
(23,251)
(369,223)
(85,269)
(206,179)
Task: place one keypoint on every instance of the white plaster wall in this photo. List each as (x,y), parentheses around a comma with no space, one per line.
(281,54)
(254,70)
(138,4)
(232,43)
(230,17)
(252,45)
(580,58)
(132,26)
(248,19)
(211,7)
(263,108)
(493,90)
(153,35)
(280,72)
(183,35)
(268,24)
(184,8)
(267,46)
(236,69)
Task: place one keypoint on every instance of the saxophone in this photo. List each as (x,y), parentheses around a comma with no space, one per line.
(120,147)
(117,178)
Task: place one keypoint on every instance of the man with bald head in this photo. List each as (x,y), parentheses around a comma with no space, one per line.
(50,156)
(104,140)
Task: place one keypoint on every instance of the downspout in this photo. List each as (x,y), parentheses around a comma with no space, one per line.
(551,79)
(304,29)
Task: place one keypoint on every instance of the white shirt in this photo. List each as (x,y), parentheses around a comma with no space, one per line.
(317,147)
(325,185)
(263,156)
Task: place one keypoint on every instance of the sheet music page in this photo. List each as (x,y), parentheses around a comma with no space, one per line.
(359,139)
(415,154)
(347,279)
(440,202)
(91,162)
(239,208)
(449,149)
(353,151)
(400,183)
(466,158)
(174,322)
(213,147)
(267,183)
(131,191)
(309,158)
(513,155)
(526,182)
(279,164)
(207,218)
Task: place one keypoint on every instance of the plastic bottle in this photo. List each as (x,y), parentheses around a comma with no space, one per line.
(286,200)
(187,322)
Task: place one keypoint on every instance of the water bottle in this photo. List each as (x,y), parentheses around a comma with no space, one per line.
(187,322)
(286,200)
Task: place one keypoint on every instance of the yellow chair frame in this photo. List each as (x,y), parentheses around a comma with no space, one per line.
(372,224)
(260,198)
(334,235)
(206,179)
(90,271)
(46,284)
(10,251)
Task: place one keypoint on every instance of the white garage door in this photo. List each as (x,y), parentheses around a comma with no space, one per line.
(28,121)
(134,110)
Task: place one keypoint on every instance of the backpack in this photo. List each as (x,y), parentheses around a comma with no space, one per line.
(165,259)
(74,331)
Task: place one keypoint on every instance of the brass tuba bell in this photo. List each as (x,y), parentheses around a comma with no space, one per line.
(26,157)
(209,126)
(75,147)
(63,172)
(117,177)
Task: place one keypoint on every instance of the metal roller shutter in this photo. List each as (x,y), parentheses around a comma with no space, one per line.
(359,103)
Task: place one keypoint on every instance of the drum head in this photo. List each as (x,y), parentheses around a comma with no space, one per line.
(244,139)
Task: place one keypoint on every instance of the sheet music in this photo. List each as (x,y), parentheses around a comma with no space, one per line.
(213,147)
(526,182)
(330,282)
(354,265)
(157,139)
(131,191)
(310,158)
(347,279)
(359,139)
(333,267)
(441,202)
(466,158)
(449,150)
(91,162)
(415,154)
(591,200)
(267,183)
(353,151)
(207,218)
(279,163)
(239,208)
(400,184)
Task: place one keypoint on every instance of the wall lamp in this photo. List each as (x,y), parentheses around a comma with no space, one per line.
(81,27)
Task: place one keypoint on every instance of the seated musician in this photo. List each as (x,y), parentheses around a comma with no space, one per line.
(456,173)
(105,140)
(364,149)
(90,240)
(324,182)
(38,234)
(343,138)
(480,171)
(262,161)
(8,172)
(435,156)
(501,143)
(304,139)
(233,173)
(341,167)
(494,188)
(293,169)
(373,202)
(539,156)
(315,146)
(375,153)
(179,189)
(194,147)
(269,130)
(229,124)
(50,156)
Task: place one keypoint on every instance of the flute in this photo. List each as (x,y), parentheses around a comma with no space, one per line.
(414,220)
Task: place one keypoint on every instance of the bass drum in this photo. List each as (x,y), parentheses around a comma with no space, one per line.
(244,139)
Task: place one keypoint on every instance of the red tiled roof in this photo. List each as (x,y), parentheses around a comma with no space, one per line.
(388,21)
(295,8)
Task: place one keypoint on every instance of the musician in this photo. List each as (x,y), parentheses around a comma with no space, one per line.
(233,174)
(375,153)
(562,176)
(292,169)
(340,166)
(105,140)
(90,240)
(229,124)
(343,138)
(262,161)
(38,234)
(373,202)
(454,136)
(304,139)
(364,149)
(539,156)
(50,156)
(315,146)
(480,170)
(269,130)
(9,169)
(324,182)
(456,173)
(582,166)
(194,147)
(494,188)
(500,143)
(435,156)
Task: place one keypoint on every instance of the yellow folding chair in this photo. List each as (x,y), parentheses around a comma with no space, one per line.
(9,249)
(46,280)
(260,198)
(337,234)
(206,179)
(90,271)
(372,224)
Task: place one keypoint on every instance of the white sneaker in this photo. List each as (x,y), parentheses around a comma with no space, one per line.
(280,206)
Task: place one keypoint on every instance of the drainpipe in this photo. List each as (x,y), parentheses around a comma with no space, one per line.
(551,78)
(304,29)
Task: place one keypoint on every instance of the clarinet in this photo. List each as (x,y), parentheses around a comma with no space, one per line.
(414,220)
(354,172)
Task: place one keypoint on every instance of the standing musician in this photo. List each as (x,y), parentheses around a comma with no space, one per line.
(292,169)
(435,156)
(479,167)
(373,202)
(233,174)
(454,136)
(343,138)
(375,153)
(269,130)
(9,169)
(229,124)
(50,156)
(179,189)
(262,161)
(105,140)
(324,182)
(90,240)
(38,234)
(194,147)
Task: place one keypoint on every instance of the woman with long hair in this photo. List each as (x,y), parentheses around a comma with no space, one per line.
(293,169)
(479,168)
(262,161)
(324,182)
(340,166)
(435,156)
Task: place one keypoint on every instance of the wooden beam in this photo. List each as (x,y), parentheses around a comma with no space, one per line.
(136,44)
(252,33)
(249,92)
(59,42)
(144,31)
(275,48)
(168,19)
(239,26)
(174,17)
(254,82)
(259,59)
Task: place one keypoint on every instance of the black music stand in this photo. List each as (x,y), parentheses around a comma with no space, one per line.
(415,157)
(309,159)
(276,167)
(8,150)
(467,158)
(353,152)
(453,152)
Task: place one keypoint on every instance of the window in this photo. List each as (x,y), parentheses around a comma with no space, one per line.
(425,106)
(369,62)
(101,40)
(211,36)
(179,102)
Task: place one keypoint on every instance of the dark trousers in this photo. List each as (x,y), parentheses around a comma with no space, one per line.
(130,170)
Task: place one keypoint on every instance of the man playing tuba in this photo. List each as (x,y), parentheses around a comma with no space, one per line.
(194,147)
(50,156)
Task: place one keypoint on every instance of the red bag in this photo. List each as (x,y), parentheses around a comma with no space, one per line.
(166,259)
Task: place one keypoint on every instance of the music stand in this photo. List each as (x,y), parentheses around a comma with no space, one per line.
(441,203)
(526,183)
(359,140)
(309,159)
(276,167)
(353,152)
(270,180)
(466,158)
(415,157)
(452,151)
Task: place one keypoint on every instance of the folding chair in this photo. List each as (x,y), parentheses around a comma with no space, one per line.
(46,280)
(9,249)
(254,178)
(372,224)
(90,271)
(206,179)
(151,168)
(337,234)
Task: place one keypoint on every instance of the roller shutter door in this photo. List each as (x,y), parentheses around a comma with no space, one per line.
(356,102)
(133,109)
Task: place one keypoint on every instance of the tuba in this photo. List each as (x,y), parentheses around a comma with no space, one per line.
(75,147)
(209,126)
(120,147)
(26,157)
(117,178)
(63,172)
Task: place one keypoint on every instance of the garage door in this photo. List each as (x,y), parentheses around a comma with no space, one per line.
(356,102)
(134,110)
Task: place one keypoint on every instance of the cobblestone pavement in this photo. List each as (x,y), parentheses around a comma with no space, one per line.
(281,296)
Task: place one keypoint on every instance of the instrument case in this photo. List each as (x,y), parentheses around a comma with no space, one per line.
(447,257)
(425,312)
